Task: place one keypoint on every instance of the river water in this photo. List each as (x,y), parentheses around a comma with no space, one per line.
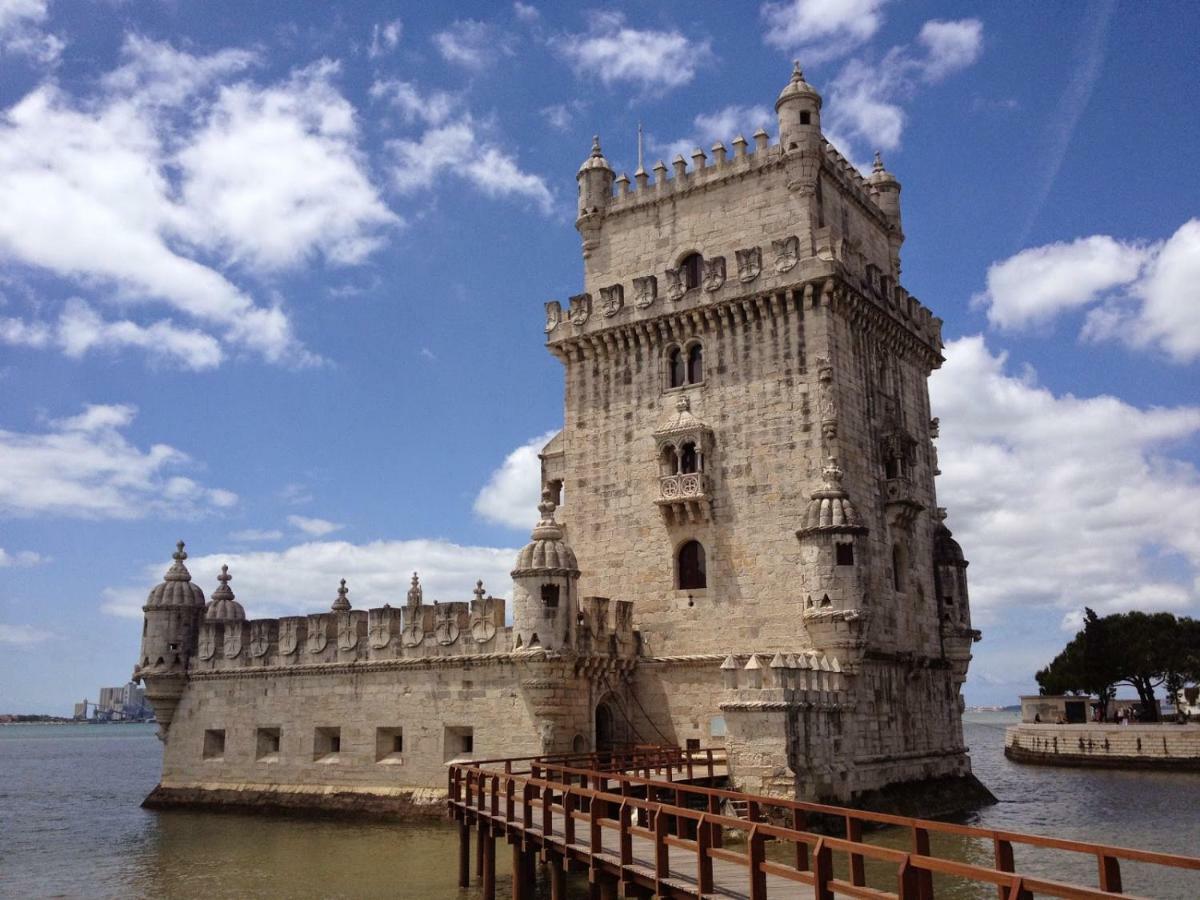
(71,826)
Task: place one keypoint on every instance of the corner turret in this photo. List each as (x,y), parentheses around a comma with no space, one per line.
(595,179)
(545,585)
(799,110)
(885,191)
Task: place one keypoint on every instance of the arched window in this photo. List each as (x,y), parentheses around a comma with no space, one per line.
(695,364)
(688,459)
(669,461)
(676,368)
(898,568)
(691,569)
(691,271)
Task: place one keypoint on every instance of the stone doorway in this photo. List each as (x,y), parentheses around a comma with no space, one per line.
(604,727)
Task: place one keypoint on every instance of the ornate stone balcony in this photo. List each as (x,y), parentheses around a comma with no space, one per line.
(684,497)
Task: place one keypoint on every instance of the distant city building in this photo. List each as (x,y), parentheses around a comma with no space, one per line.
(81,710)
(121,703)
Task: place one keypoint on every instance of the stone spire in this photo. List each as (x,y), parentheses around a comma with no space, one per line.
(176,588)
(342,603)
(479,592)
(224,607)
(546,551)
(415,594)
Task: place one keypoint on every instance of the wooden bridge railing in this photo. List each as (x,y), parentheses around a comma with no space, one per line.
(564,811)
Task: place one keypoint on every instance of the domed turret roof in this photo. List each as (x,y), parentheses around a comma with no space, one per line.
(176,589)
(797,87)
(830,509)
(596,159)
(223,607)
(342,602)
(946,550)
(547,553)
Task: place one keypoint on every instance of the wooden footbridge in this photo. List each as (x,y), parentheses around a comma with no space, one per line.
(646,821)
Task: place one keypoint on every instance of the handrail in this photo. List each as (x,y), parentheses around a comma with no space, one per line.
(479,790)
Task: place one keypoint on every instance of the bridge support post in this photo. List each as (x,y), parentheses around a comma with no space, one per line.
(522,890)
(488,841)
(479,849)
(558,878)
(464,853)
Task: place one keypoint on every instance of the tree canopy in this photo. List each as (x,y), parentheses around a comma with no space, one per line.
(1142,650)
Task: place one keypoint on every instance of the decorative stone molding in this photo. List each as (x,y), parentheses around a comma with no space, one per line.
(749,263)
(645,291)
(612,299)
(581,309)
(553,315)
(713,275)
(675,285)
(787,253)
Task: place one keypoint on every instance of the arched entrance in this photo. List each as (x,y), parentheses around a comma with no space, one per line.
(604,727)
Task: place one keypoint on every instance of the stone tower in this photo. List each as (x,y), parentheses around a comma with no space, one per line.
(747,445)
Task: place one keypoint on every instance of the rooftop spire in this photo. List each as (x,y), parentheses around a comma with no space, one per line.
(224,591)
(342,603)
(878,164)
(415,594)
(797,72)
(596,146)
(479,592)
(178,571)
(640,167)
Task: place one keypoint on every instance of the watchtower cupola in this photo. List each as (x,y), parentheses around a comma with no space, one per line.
(545,579)
(595,179)
(799,110)
(173,612)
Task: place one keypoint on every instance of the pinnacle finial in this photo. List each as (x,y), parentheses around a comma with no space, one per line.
(224,577)
(342,603)
(833,473)
(797,72)
(415,593)
(878,164)
(596,145)
(547,506)
(179,553)
(683,404)
(479,592)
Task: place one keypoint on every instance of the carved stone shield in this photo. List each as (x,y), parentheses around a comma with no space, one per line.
(482,630)
(581,309)
(260,638)
(612,299)
(318,638)
(714,273)
(446,632)
(412,635)
(645,291)
(233,640)
(289,636)
(749,262)
(553,315)
(347,633)
(380,632)
(207,646)
(787,253)
(675,286)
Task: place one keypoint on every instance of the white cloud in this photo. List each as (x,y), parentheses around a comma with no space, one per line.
(473,44)
(23,635)
(526,12)
(21,559)
(304,578)
(314,527)
(21,31)
(459,148)
(653,61)
(512,492)
(820,30)
(384,38)
(84,467)
(256,534)
(1140,293)
(722,125)
(1061,501)
(431,108)
(118,190)
(865,101)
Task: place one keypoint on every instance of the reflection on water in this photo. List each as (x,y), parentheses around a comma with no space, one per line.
(72,827)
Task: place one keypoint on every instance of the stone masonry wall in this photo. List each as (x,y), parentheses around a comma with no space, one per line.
(1135,746)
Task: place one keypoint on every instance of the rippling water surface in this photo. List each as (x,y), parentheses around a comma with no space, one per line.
(71,826)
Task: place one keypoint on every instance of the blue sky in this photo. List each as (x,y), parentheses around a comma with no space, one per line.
(271,280)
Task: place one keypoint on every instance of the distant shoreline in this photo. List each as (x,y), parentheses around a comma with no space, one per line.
(55,720)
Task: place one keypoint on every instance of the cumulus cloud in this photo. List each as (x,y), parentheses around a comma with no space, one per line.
(866,100)
(473,44)
(653,61)
(23,635)
(20,559)
(820,30)
(384,38)
(132,189)
(304,578)
(511,494)
(314,527)
(722,125)
(1060,501)
(461,148)
(256,534)
(431,108)
(22,32)
(1139,293)
(84,467)
(526,12)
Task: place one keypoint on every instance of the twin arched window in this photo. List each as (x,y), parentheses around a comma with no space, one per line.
(690,568)
(685,365)
(683,460)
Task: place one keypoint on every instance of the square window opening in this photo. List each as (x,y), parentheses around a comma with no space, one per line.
(389,745)
(214,743)
(459,741)
(692,744)
(327,744)
(266,744)
(845,554)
